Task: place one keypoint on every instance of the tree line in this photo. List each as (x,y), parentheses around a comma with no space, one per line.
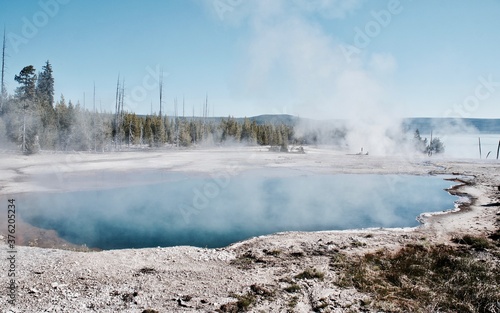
(32,120)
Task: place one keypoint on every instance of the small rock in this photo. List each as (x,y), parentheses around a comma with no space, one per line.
(182,303)
(129,297)
(186,298)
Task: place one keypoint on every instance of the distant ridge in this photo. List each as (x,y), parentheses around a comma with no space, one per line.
(274,118)
(426,124)
(423,124)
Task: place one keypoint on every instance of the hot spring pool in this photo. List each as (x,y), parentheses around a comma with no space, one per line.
(214,211)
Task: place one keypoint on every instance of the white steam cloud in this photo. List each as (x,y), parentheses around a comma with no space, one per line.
(291,60)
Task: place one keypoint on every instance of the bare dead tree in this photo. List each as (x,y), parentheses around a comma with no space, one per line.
(161,90)
(24,128)
(498,149)
(118,119)
(480,151)
(176,124)
(122,100)
(141,139)
(3,92)
(94,113)
(115,122)
(205,116)
(193,135)
(162,129)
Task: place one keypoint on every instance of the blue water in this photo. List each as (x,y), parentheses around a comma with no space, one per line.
(214,211)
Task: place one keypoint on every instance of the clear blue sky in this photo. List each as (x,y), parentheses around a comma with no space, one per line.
(313,58)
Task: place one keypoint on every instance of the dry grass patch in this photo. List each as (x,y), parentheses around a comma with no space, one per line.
(311,273)
(478,243)
(421,279)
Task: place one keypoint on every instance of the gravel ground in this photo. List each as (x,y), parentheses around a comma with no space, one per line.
(188,279)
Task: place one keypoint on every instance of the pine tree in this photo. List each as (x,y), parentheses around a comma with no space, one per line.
(27,79)
(132,126)
(284,134)
(184,134)
(435,147)
(45,100)
(63,123)
(45,86)
(248,132)
(25,95)
(231,129)
(170,131)
(158,129)
(419,143)
(166,123)
(148,132)
(245,131)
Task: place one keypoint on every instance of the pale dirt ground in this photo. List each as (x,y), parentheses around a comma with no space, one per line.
(188,279)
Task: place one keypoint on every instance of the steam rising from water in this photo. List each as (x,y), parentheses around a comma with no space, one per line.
(293,62)
(251,204)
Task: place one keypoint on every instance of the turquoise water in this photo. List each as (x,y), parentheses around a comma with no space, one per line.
(214,211)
